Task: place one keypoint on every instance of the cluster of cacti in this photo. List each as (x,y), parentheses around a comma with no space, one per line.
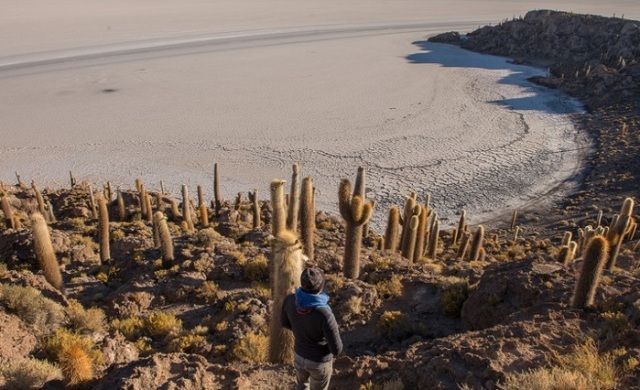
(621,227)
(568,249)
(287,260)
(410,226)
(356,212)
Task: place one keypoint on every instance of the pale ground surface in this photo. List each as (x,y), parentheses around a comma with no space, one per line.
(162,90)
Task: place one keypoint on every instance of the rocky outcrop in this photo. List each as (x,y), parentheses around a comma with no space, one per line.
(593,57)
(169,371)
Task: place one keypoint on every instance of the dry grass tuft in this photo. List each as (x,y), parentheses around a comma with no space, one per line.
(257,269)
(455,292)
(78,318)
(33,308)
(251,349)
(390,288)
(583,369)
(28,373)
(160,325)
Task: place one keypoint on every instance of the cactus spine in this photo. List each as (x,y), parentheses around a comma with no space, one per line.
(307,217)
(595,258)
(166,242)
(356,213)
(44,251)
(216,190)
(103,230)
(391,237)
(294,203)
(287,259)
(476,244)
(514,216)
(279,216)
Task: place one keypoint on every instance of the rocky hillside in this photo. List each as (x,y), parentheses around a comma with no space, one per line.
(184,301)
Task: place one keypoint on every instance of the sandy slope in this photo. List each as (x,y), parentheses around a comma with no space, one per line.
(467,128)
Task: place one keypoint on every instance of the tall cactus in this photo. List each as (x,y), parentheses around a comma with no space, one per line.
(307,217)
(461,225)
(287,259)
(409,244)
(41,206)
(294,202)
(122,210)
(103,230)
(8,214)
(595,258)
(216,190)
(421,234)
(44,251)
(92,203)
(356,213)
(204,216)
(255,208)
(476,244)
(434,233)
(186,209)
(166,242)
(391,236)
(148,207)
(279,216)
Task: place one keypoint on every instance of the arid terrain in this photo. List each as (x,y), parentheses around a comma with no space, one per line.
(497,311)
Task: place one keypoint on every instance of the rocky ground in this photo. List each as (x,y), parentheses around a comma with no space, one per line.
(201,320)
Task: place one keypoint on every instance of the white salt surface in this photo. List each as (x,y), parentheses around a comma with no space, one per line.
(162,90)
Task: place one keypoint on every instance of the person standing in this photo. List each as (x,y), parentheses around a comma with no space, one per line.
(317,338)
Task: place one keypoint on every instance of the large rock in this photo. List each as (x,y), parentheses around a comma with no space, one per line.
(508,288)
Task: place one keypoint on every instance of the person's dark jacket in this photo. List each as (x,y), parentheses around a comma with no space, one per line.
(316,333)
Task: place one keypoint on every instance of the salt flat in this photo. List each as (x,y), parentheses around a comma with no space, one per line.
(162,90)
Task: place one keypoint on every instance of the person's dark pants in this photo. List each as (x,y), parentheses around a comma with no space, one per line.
(312,375)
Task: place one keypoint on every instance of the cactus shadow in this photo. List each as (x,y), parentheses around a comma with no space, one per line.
(451,56)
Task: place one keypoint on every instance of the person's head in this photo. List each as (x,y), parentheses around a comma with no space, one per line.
(312,280)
